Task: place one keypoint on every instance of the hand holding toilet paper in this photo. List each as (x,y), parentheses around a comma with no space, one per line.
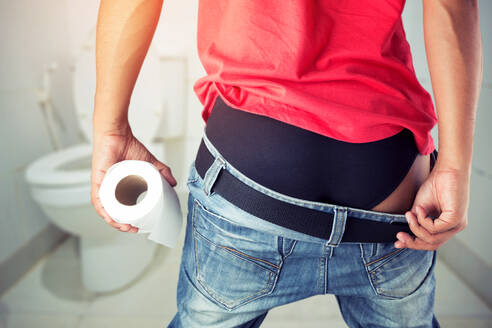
(135,192)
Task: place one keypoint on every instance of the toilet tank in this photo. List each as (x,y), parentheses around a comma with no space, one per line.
(158,102)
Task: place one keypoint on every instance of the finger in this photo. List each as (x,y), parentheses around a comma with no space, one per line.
(102,212)
(125,227)
(96,180)
(104,215)
(418,230)
(423,239)
(419,244)
(440,224)
(96,203)
(120,226)
(165,171)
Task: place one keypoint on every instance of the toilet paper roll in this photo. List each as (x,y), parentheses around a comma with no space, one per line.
(135,192)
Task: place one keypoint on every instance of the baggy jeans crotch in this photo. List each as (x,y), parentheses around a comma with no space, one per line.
(212,174)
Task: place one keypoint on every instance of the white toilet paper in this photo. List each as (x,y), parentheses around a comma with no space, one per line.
(135,192)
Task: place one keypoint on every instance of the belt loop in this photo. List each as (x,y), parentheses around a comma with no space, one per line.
(212,174)
(338,228)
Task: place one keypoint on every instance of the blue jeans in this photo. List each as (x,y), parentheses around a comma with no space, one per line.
(235,267)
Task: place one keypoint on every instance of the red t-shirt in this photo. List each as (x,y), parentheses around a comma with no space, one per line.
(342,69)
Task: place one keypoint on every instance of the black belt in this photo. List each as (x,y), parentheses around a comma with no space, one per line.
(308,221)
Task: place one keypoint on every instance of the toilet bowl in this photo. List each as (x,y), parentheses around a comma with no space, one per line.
(60,182)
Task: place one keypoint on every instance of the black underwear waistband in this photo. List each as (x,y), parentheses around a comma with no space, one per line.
(306,165)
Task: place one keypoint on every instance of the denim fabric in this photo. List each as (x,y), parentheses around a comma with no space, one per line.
(235,267)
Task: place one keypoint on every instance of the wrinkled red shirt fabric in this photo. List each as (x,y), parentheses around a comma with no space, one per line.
(340,68)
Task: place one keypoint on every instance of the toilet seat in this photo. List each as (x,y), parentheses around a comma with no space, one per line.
(145,111)
(70,166)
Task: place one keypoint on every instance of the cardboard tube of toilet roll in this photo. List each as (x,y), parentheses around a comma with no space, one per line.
(135,192)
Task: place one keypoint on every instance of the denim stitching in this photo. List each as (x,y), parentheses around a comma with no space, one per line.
(369,275)
(230,249)
(220,217)
(211,174)
(190,170)
(216,297)
(251,257)
(235,253)
(340,215)
(291,248)
(336,234)
(372,274)
(385,256)
(381,292)
(333,228)
(195,179)
(231,305)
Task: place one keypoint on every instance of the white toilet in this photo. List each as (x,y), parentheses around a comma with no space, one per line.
(60,181)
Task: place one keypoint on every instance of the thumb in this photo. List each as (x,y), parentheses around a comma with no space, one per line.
(426,198)
(164,170)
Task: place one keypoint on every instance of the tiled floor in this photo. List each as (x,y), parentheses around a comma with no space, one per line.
(52,295)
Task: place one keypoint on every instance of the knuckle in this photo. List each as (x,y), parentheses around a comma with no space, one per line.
(435,244)
(432,230)
(435,240)
(427,247)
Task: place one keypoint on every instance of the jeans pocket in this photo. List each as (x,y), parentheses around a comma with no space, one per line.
(397,272)
(234,264)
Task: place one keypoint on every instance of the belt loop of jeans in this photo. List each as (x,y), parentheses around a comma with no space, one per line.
(212,174)
(338,227)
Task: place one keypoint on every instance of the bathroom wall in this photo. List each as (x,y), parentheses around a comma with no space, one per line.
(475,236)
(467,253)
(36,34)
(33,34)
